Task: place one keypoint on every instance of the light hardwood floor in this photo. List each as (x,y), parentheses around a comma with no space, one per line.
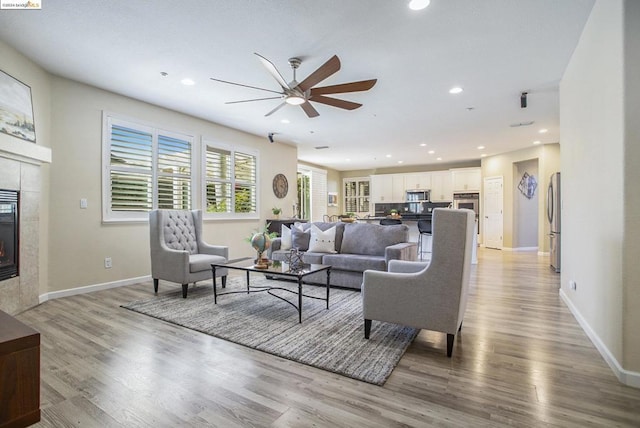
(520,360)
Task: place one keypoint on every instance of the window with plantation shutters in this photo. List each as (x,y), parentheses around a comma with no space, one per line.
(145,168)
(230,181)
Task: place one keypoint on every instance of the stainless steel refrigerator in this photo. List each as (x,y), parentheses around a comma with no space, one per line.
(553,214)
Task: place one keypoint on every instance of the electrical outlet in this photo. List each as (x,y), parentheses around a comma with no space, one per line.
(83,203)
(107,263)
(573,285)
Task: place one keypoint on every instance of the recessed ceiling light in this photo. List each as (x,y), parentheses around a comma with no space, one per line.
(348,160)
(285,121)
(438,158)
(543,131)
(187,82)
(423,145)
(164,74)
(418,4)
(480,147)
(388,156)
(484,155)
(431,152)
(455,90)
(400,161)
(535,143)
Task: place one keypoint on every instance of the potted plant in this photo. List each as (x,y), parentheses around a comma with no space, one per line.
(348,217)
(394,213)
(276,211)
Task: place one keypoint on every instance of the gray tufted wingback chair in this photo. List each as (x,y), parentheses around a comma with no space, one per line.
(178,253)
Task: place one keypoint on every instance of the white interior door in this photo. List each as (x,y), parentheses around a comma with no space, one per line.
(493,213)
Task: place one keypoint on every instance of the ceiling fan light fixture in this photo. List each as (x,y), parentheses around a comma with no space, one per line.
(418,4)
(295,100)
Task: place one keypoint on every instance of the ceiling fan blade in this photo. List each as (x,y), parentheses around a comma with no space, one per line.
(324,71)
(255,99)
(363,85)
(275,109)
(347,105)
(309,110)
(273,71)
(245,86)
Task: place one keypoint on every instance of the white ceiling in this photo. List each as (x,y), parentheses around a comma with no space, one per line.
(494,49)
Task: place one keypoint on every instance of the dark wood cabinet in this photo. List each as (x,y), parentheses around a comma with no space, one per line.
(19,373)
(275,225)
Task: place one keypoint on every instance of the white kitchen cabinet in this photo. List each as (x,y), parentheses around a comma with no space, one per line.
(441,186)
(386,188)
(417,181)
(466,179)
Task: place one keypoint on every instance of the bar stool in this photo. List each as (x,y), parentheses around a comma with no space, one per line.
(424,230)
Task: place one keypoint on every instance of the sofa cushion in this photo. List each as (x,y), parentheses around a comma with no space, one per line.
(285,238)
(355,262)
(322,241)
(313,258)
(372,239)
(200,262)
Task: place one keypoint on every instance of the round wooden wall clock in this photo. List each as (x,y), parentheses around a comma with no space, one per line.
(280,186)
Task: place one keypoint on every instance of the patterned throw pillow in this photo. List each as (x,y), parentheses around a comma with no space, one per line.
(322,241)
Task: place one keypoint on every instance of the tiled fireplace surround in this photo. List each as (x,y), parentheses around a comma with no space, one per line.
(20,169)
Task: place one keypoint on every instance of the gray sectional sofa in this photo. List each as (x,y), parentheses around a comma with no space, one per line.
(357,247)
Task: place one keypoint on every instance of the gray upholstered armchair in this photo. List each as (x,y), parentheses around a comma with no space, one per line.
(178,253)
(431,296)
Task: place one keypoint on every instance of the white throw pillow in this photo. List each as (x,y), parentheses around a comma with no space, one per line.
(285,238)
(322,242)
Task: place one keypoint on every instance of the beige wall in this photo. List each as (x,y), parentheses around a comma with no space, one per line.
(600,157)
(79,241)
(503,165)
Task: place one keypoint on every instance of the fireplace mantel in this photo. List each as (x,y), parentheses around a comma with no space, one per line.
(24,151)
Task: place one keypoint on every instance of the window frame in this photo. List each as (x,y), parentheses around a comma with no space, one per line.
(232,149)
(110,119)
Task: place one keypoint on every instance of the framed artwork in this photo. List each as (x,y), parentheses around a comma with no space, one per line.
(16,109)
(332,199)
(528,185)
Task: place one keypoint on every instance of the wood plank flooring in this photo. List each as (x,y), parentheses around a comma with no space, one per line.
(520,360)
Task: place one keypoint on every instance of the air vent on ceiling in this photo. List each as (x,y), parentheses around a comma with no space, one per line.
(516,125)
(321,147)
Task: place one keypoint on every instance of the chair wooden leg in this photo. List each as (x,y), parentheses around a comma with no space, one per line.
(155,285)
(450,338)
(224,281)
(367,328)
(185,287)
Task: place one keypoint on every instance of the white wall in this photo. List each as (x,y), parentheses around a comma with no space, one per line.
(599,135)
(631,249)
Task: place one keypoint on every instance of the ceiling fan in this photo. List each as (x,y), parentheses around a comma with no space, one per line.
(302,93)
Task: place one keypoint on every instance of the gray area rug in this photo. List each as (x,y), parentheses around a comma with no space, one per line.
(331,339)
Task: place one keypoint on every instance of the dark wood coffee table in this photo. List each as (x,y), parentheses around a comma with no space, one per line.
(281,270)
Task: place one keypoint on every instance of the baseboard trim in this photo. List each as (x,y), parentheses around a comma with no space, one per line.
(91,288)
(520,248)
(626,377)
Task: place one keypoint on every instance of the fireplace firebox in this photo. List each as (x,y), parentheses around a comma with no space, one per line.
(9,233)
